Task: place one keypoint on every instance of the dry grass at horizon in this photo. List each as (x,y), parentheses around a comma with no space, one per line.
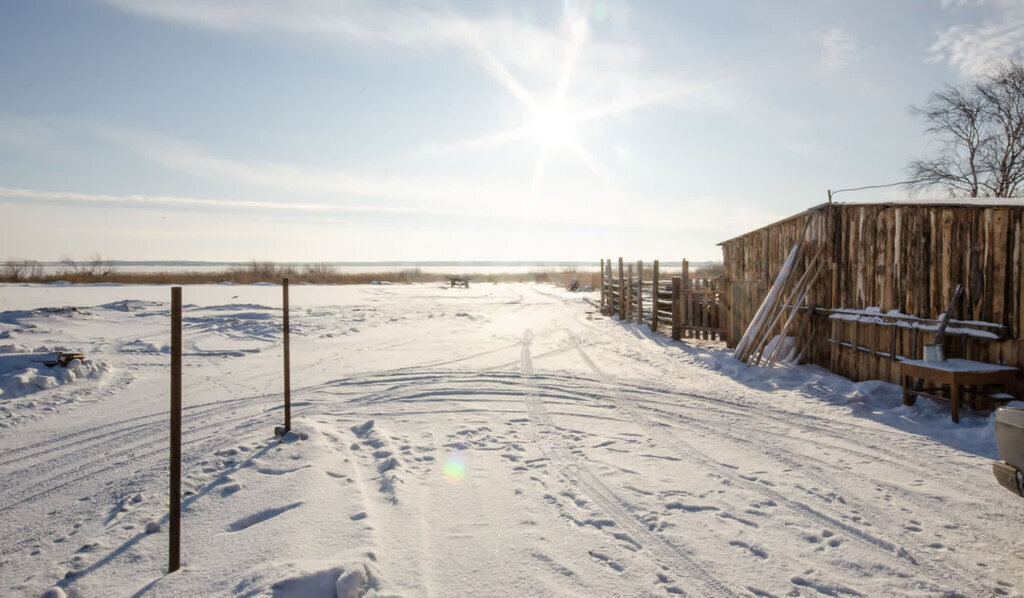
(97,271)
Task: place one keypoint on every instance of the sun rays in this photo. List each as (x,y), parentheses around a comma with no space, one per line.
(554,124)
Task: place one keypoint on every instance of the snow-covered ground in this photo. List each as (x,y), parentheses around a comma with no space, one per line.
(501,440)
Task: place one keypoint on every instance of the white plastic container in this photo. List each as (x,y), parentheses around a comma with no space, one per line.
(934,354)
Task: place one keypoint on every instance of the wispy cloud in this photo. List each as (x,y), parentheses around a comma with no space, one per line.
(184,157)
(33,195)
(838,48)
(703,213)
(499,42)
(420,196)
(349,20)
(413,24)
(975,49)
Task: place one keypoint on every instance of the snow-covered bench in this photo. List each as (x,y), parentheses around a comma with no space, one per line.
(959,374)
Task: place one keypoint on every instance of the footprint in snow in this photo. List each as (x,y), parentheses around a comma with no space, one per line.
(606,560)
(256,518)
(675,505)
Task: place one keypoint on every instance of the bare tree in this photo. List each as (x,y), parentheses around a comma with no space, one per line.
(94,267)
(21,270)
(98,267)
(980,131)
(319,272)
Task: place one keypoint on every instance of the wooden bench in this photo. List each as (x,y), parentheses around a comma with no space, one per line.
(958,375)
(458,281)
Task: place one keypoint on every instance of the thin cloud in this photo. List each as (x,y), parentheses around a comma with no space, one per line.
(348,21)
(695,214)
(498,43)
(975,49)
(838,48)
(32,195)
(187,158)
(437,197)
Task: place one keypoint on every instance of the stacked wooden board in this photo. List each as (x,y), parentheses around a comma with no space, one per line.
(764,341)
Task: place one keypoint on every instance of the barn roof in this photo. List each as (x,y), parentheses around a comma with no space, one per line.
(986,202)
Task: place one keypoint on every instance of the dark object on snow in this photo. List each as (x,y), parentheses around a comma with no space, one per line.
(458,281)
(574,285)
(63,359)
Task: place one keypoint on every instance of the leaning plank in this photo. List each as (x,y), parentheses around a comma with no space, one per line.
(792,314)
(776,313)
(753,329)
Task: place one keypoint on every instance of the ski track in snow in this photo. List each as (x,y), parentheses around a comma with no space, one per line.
(669,556)
(500,440)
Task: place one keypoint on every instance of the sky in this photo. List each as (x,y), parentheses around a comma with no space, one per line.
(359,130)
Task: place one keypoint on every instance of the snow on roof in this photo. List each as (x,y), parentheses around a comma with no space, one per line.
(927,202)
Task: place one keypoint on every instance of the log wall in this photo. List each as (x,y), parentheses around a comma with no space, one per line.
(905,257)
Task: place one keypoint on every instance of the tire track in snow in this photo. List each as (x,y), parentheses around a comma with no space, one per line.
(779,452)
(82,441)
(666,554)
(140,456)
(751,417)
(660,363)
(864,442)
(895,553)
(856,435)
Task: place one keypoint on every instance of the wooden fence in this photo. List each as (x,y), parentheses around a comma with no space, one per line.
(683,306)
(889,271)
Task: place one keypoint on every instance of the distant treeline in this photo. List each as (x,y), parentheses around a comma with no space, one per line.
(96,270)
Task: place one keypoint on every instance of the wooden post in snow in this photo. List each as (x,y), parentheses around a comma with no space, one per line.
(611,289)
(600,278)
(677,320)
(686,300)
(174,517)
(639,292)
(629,292)
(655,298)
(622,292)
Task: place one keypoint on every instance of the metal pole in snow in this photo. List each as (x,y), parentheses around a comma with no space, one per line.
(174,518)
(287,362)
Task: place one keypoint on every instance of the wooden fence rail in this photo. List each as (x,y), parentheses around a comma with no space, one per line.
(683,306)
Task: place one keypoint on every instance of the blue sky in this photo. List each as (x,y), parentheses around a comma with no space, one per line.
(349,130)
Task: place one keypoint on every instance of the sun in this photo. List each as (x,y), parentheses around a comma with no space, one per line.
(553,125)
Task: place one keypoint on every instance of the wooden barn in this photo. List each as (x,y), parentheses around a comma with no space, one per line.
(878,277)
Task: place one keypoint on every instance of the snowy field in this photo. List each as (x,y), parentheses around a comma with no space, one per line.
(501,440)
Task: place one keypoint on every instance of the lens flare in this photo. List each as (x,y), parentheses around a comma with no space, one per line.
(454,468)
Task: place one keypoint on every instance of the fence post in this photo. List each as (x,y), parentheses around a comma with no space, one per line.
(655,299)
(725,312)
(639,291)
(611,289)
(287,360)
(600,279)
(622,292)
(677,320)
(174,517)
(629,291)
(686,309)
